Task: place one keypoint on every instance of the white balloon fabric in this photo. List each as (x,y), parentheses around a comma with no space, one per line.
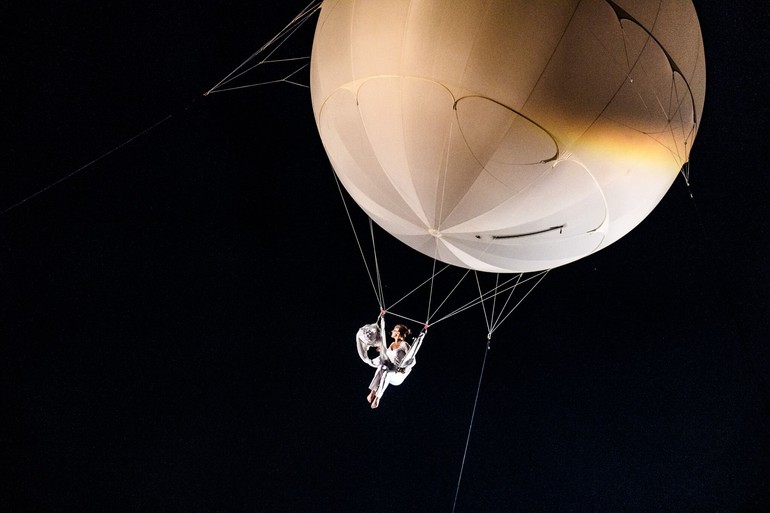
(507,135)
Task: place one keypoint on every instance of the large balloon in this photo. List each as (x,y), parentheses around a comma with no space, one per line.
(507,135)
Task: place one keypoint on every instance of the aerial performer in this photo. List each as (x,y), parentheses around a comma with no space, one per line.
(505,136)
(393,363)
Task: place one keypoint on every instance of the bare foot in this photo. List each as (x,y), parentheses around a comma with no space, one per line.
(370,397)
(375,402)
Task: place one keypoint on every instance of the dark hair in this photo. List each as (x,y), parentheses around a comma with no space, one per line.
(402,330)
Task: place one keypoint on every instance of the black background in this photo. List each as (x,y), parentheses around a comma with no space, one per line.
(177,317)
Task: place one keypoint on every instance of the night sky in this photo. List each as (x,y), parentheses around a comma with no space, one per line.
(178,315)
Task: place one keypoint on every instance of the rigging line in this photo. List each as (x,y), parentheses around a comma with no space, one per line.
(622,15)
(380,288)
(430,289)
(671,117)
(418,287)
(680,97)
(287,77)
(696,209)
(267,59)
(505,286)
(355,236)
(225,89)
(310,9)
(470,426)
(551,57)
(496,322)
(500,290)
(483,304)
(267,82)
(494,298)
(406,318)
(685,172)
(286,59)
(281,34)
(674,99)
(459,310)
(230,76)
(619,87)
(85,166)
(638,61)
(295,83)
(543,275)
(288,31)
(489,319)
(449,294)
(260,63)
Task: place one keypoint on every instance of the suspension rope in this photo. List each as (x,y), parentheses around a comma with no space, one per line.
(266,82)
(358,242)
(451,292)
(485,296)
(418,287)
(489,319)
(502,319)
(470,426)
(277,41)
(380,288)
(432,281)
(686,171)
(505,305)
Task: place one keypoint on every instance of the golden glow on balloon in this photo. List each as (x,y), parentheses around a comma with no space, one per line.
(507,135)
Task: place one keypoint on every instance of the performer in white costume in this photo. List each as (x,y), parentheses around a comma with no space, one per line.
(393,363)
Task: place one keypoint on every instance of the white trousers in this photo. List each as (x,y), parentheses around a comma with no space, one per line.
(384,377)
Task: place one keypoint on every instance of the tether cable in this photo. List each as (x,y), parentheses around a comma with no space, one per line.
(470,426)
(86,166)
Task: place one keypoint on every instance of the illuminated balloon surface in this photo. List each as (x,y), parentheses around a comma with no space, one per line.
(507,135)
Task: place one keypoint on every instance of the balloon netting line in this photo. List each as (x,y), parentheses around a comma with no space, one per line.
(274,44)
(670,109)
